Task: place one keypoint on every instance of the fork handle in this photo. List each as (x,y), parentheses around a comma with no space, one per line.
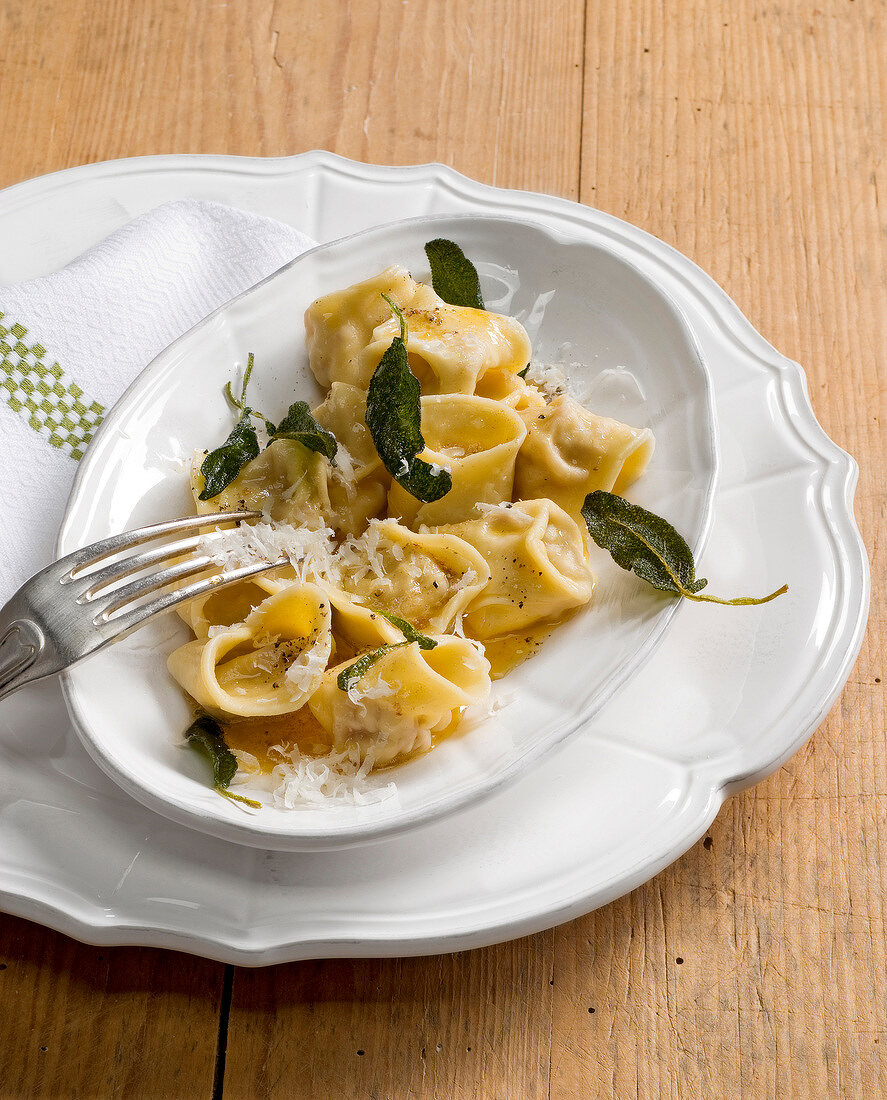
(21,643)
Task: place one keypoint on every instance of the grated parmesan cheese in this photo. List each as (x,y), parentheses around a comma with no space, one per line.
(345,468)
(265,660)
(358,557)
(338,778)
(468,578)
(300,781)
(358,691)
(548,377)
(248,767)
(308,549)
(215,629)
(343,473)
(305,672)
(290,491)
(459,631)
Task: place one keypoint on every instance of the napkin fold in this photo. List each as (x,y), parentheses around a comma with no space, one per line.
(71,342)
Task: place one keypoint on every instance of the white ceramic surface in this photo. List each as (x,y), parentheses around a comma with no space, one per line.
(129,711)
(80,855)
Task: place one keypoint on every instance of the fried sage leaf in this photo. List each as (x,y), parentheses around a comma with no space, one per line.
(353,672)
(453,276)
(205,734)
(648,545)
(300,425)
(221,466)
(409,631)
(393,416)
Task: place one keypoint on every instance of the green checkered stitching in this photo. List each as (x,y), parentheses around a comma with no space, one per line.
(54,406)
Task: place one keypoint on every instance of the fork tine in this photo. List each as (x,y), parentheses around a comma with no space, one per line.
(72,564)
(113,628)
(99,579)
(144,586)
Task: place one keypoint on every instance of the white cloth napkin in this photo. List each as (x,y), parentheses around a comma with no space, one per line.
(71,342)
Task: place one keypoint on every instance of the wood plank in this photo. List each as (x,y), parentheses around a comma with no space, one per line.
(750,136)
(496,95)
(82,1021)
(490,88)
(472,1024)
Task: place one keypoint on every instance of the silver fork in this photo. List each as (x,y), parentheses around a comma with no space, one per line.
(77,606)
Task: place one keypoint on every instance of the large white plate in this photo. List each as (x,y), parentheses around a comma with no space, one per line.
(728,696)
(131,714)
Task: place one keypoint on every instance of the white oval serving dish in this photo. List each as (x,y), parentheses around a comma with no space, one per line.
(621,337)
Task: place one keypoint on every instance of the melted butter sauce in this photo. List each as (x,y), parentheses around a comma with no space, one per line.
(258,735)
(511,650)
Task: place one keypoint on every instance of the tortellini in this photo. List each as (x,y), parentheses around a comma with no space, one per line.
(512,391)
(450,347)
(358,487)
(271,663)
(424,577)
(339,326)
(293,485)
(570,452)
(231,604)
(477,440)
(343,413)
(406,698)
(538,561)
(356,627)
(411,591)
(287,482)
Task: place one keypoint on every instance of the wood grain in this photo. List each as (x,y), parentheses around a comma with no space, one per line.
(83,1021)
(436,1027)
(749,133)
(751,137)
(486,87)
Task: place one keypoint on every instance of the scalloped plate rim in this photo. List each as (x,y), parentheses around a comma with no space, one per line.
(727,317)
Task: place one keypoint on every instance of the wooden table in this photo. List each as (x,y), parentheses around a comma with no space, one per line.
(750,134)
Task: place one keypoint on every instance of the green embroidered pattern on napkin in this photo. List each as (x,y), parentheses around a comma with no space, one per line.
(52,404)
